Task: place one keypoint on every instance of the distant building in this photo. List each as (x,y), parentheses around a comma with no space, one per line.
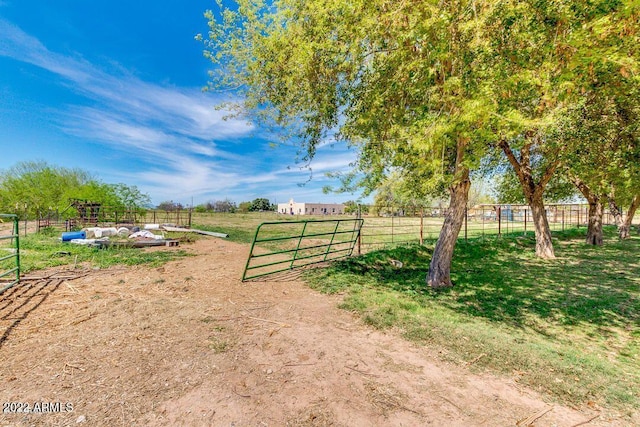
(296,208)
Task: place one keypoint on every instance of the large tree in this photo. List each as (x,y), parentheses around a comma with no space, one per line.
(624,167)
(38,187)
(397,194)
(550,55)
(604,162)
(422,88)
(400,81)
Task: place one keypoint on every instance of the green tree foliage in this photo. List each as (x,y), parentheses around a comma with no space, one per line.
(128,196)
(244,207)
(396,80)
(260,205)
(604,163)
(424,89)
(352,206)
(397,196)
(35,188)
(169,206)
(549,57)
(38,187)
(225,205)
(509,190)
(478,193)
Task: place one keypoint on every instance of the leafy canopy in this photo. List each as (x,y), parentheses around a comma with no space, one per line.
(402,82)
(34,188)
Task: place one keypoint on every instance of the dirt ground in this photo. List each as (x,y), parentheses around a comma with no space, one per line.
(189,344)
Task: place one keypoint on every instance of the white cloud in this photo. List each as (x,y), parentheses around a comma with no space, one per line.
(175,131)
(185,111)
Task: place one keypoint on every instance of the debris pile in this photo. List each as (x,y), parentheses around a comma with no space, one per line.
(137,238)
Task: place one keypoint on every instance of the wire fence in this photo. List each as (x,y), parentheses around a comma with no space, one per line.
(390,225)
(113,217)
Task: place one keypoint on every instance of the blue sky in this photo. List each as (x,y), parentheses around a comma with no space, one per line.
(115,87)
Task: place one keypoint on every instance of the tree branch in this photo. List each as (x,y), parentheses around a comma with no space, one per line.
(548,173)
(583,187)
(510,156)
(517,167)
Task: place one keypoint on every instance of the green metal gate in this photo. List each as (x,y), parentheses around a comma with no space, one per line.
(15,253)
(286,245)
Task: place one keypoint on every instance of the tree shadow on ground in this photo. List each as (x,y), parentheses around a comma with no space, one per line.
(502,281)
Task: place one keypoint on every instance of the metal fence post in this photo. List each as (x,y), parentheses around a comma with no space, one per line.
(483,222)
(26,218)
(391,227)
(359,239)
(15,230)
(17,233)
(421,226)
(466,215)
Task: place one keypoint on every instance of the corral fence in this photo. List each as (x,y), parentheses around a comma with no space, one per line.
(114,217)
(280,246)
(392,225)
(10,263)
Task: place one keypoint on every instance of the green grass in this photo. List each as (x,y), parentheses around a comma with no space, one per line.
(44,250)
(241,227)
(376,232)
(568,327)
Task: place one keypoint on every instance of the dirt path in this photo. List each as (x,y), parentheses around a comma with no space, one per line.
(189,344)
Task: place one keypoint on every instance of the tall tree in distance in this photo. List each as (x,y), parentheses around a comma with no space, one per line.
(604,162)
(43,187)
(604,128)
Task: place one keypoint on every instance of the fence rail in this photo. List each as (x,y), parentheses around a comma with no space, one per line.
(386,225)
(110,217)
(13,269)
(280,246)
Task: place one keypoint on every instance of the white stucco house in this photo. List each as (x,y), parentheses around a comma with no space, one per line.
(297,208)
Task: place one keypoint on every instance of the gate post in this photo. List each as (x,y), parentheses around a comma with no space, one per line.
(14,236)
(359,242)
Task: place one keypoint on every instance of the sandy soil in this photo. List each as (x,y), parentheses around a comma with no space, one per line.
(189,344)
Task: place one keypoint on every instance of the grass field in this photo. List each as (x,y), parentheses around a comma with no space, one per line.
(44,250)
(569,327)
(376,231)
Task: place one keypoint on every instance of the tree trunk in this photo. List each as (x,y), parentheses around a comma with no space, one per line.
(594,230)
(439,275)
(624,229)
(544,245)
(533,192)
(596,212)
(615,211)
